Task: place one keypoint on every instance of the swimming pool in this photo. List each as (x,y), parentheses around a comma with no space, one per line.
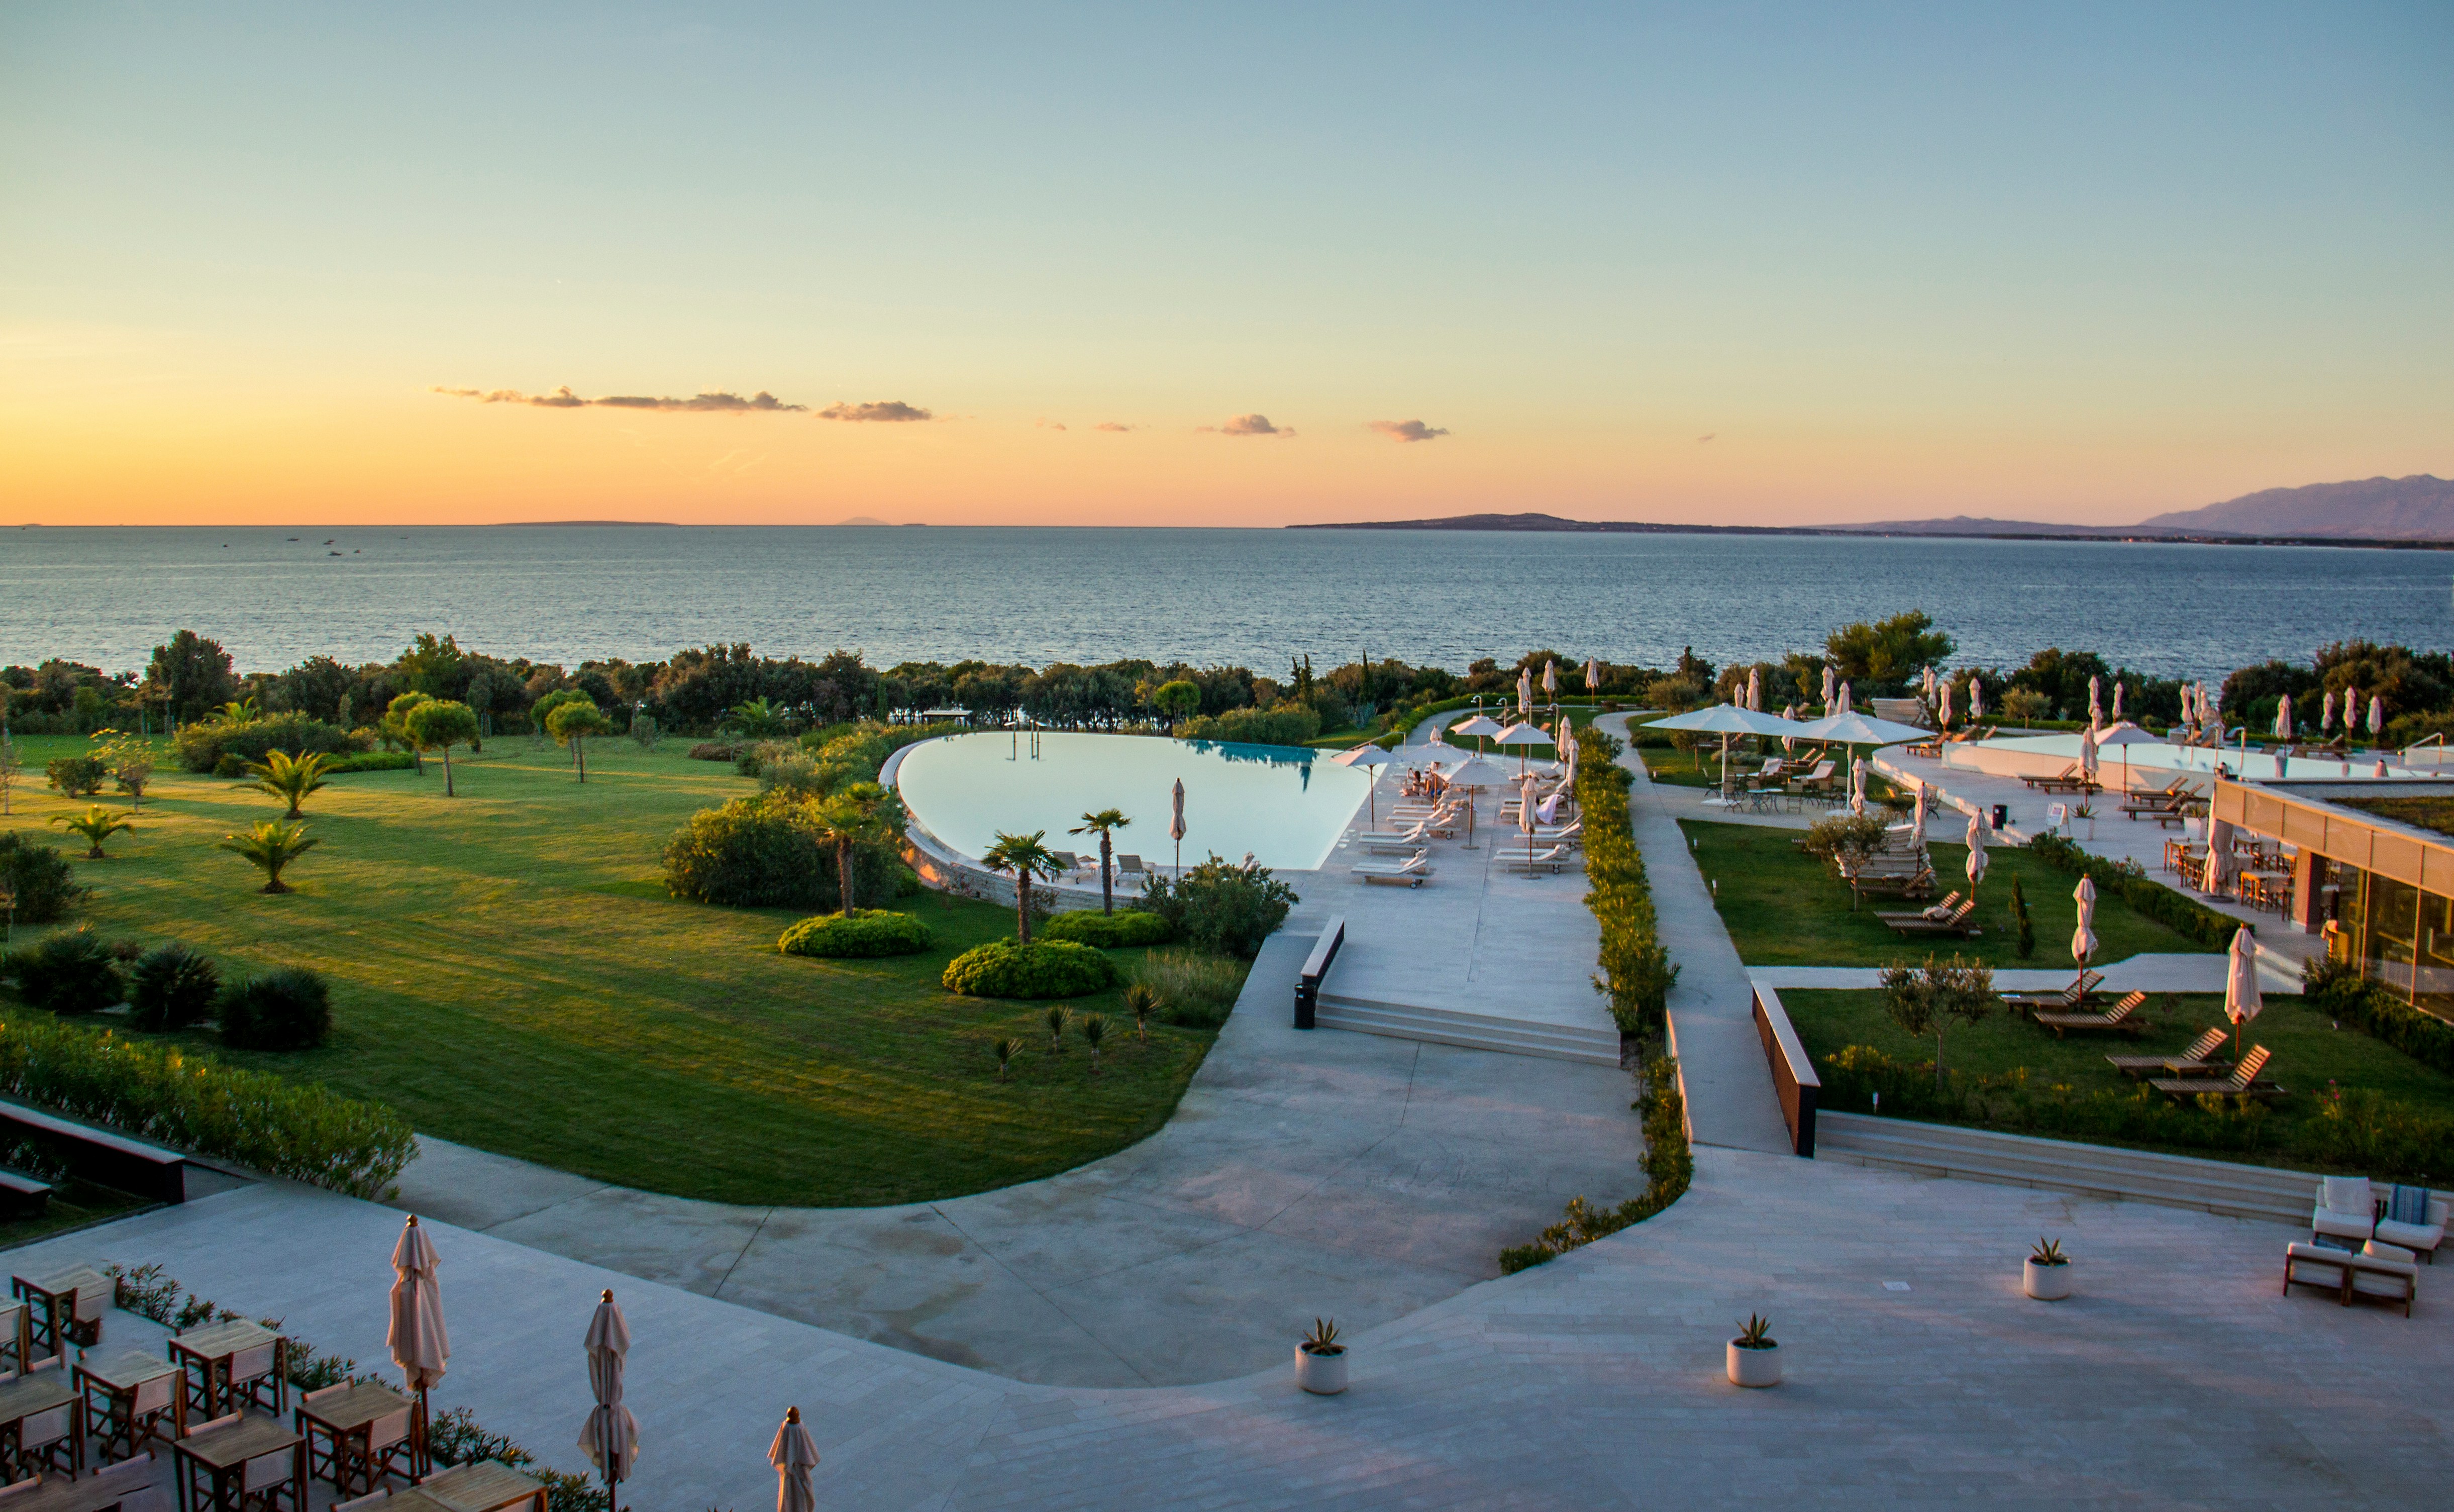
(1286,806)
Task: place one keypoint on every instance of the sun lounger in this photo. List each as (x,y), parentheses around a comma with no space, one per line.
(2069,779)
(1131,866)
(1414,834)
(1955,923)
(1819,780)
(2244,1082)
(2197,1061)
(1520,860)
(2062,1001)
(1914,885)
(1942,910)
(1408,872)
(1391,845)
(2121,1018)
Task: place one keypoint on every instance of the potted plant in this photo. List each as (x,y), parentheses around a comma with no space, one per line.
(1755,1355)
(2047,1274)
(1321,1360)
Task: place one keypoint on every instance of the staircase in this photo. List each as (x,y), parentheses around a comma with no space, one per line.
(2056,1165)
(1446,1026)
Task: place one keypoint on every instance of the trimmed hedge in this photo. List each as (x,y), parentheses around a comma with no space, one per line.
(1636,973)
(71,972)
(303,1131)
(868,932)
(203,745)
(1005,968)
(2338,990)
(1131,926)
(2129,881)
(289,1009)
(39,877)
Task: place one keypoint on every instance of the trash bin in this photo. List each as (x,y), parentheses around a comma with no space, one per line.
(2002,816)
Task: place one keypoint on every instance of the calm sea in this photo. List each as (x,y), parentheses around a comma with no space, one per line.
(567,593)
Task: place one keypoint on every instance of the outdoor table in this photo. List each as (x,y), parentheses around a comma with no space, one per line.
(63,1493)
(115,1419)
(415,1500)
(27,1395)
(51,1300)
(213,1465)
(489,1485)
(338,1441)
(206,1354)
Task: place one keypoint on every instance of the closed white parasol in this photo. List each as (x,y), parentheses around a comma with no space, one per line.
(1831,686)
(1176,825)
(2283,717)
(611,1435)
(1976,852)
(420,1344)
(794,1455)
(2242,1000)
(2083,938)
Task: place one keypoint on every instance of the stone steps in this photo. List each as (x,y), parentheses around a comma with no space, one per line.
(1445,1026)
(2087,1170)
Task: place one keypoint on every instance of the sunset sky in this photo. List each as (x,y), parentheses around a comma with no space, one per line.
(1738,264)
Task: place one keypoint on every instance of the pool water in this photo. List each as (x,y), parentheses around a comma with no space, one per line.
(1285,806)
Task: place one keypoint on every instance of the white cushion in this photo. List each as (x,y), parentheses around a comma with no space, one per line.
(2342,1225)
(2411,1236)
(2348,1195)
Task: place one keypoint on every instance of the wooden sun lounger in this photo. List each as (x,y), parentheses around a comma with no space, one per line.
(1919,883)
(2069,779)
(2197,1061)
(1956,923)
(2069,997)
(2243,1082)
(1950,901)
(2122,1018)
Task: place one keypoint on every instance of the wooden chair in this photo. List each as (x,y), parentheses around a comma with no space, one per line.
(2119,1018)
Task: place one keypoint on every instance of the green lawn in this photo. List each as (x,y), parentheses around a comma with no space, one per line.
(508,974)
(2309,1053)
(1783,909)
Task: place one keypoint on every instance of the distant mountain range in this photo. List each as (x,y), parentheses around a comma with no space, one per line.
(2417,509)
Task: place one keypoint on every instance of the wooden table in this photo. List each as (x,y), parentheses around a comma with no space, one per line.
(213,1466)
(47,1324)
(342,1423)
(59,1493)
(488,1485)
(205,1353)
(111,1385)
(24,1397)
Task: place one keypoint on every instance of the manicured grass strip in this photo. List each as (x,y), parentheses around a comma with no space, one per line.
(1783,909)
(503,978)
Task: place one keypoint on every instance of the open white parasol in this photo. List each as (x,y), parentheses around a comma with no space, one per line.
(1367,755)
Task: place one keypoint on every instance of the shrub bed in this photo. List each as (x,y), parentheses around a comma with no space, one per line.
(1220,906)
(1636,973)
(1005,968)
(2129,881)
(2338,990)
(171,986)
(1131,926)
(371,762)
(1288,724)
(713,750)
(1194,990)
(302,1131)
(868,932)
(1669,1165)
(760,853)
(38,877)
(290,1009)
(204,745)
(72,972)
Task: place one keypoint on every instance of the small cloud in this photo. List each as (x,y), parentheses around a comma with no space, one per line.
(1250,425)
(1406,429)
(1046,424)
(1701,439)
(891,409)
(1111,425)
(719,402)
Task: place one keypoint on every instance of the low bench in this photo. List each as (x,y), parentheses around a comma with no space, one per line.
(22,1197)
(1315,966)
(101,1156)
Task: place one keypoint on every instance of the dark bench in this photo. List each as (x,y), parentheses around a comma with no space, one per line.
(1315,966)
(100,1156)
(22,1195)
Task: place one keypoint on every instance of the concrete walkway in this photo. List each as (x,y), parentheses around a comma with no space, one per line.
(1302,1174)
(2147,973)
(1730,1098)
(1916,1373)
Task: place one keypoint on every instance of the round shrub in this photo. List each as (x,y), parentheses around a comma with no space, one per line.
(72,972)
(172,986)
(1005,968)
(290,1009)
(38,877)
(758,852)
(1130,926)
(868,932)
(204,744)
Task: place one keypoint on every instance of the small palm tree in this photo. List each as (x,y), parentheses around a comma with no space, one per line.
(1058,1016)
(97,825)
(241,711)
(1027,859)
(1104,824)
(1094,1029)
(291,777)
(861,814)
(1141,999)
(757,720)
(271,845)
(1005,1050)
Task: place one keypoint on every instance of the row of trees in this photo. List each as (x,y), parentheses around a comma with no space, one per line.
(700,690)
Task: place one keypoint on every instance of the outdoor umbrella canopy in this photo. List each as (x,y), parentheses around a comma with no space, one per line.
(1943,706)
(2242,1000)
(1593,676)
(2377,717)
(1858,729)
(1789,736)
(1175,826)
(1520,736)
(1475,772)
(1831,681)
(2095,706)
(2116,703)
(2283,716)
(611,1435)
(2326,720)
(1550,681)
(1976,852)
(1726,719)
(2083,938)
(1524,690)
(1755,690)
(1479,726)
(1856,785)
(1918,821)
(1844,700)
(2219,870)
(2087,747)
(1975,699)
(794,1455)
(1367,756)
(419,1343)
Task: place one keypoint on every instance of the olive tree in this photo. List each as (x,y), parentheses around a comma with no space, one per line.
(570,724)
(439,726)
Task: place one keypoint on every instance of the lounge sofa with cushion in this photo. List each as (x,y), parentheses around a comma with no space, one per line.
(2414,1218)
(2349,1274)
(2346,1208)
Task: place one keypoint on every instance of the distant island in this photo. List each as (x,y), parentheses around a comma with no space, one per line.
(508,524)
(2408,511)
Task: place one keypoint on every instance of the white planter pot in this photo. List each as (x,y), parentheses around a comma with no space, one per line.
(2046,1283)
(1754,1368)
(1321,1375)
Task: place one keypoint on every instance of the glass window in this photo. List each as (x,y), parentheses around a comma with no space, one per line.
(2433,987)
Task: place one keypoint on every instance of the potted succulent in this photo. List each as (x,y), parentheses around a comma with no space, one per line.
(2047,1275)
(1755,1355)
(1320,1360)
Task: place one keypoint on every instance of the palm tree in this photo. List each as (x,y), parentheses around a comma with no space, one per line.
(288,776)
(758,719)
(97,825)
(861,814)
(1104,824)
(241,711)
(271,845)
(1026,859)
